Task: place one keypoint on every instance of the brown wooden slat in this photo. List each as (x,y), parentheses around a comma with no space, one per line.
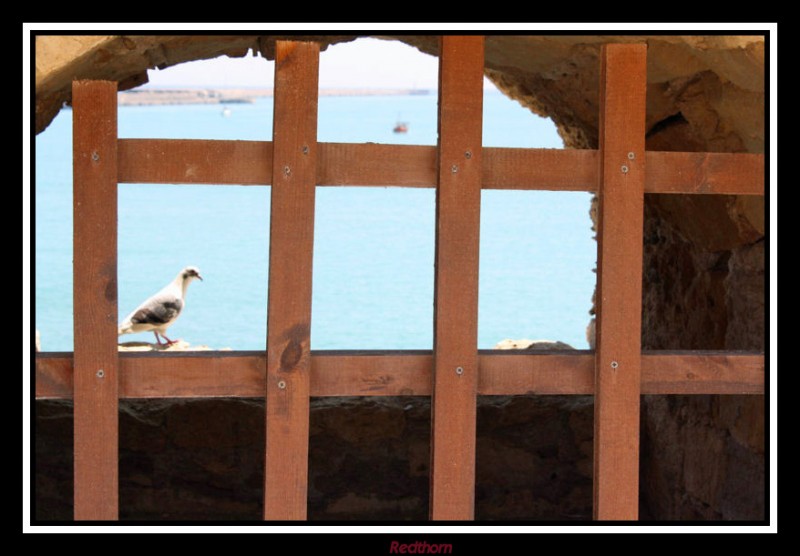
(238,374)
(623,84)
(195,161)
(667,172)
(705,173)
(290,271)
(541,169)
(371,164)
(711,373)
(94,119)
(458,201)
(508,373)
(371,374)
(250,163)
(54,372)
(154,375)
(351,164)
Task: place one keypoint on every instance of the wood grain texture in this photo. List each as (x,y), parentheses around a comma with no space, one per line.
(705,173)
(504,372)
(713,372)
(371,373)
(623,84)
(291,250)
(458,199)
(95,299)
(540,169)
(184,161)
(242,374)
(188,161)
(371,164)
(201,374)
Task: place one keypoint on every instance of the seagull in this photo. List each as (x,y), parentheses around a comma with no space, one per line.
(161,310)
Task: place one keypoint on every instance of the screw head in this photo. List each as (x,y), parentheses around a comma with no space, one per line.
(282,384)
(454,168)
(459,370)
(468,154)
(305,149)
(95,156)
(614,364)
(100,373)
(624,169)
(631,156)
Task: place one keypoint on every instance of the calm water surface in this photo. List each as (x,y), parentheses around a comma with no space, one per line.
(373,250)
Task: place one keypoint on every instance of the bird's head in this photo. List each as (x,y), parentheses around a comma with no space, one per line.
(190,273)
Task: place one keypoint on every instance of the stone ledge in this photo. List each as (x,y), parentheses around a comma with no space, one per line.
(179,345)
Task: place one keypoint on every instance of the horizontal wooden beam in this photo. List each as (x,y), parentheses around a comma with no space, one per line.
(240,374)
(504,372)
(370,164)
(194,161)
(704,173)
(182,161)
(399,373)
(540,169)
(723,372)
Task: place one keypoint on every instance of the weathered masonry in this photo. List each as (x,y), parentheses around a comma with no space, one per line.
(617,372)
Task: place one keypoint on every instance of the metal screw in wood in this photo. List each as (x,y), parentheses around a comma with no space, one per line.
(286,170)
(624,169)
(468,154)
(614,364)
(101,373)
(95,156)
(454,169)
(282,384)
(305,149)
(459,370)
(631,156)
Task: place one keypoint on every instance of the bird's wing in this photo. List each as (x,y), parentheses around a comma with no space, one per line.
(158,310)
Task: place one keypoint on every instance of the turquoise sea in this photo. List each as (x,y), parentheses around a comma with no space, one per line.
(373,250)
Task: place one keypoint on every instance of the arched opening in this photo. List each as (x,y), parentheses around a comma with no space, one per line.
(374,252)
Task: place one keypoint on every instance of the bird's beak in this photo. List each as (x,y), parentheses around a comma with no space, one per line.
(200,277)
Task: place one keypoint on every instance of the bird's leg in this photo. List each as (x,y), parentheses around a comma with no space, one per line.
(169,342)
(157,338)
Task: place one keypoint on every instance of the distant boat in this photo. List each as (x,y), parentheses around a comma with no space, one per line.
(226,112)
(400,127)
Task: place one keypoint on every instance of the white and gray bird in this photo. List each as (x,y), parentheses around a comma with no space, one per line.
(161,310)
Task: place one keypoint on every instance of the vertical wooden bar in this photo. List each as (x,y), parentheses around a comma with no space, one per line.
(290,270)
(94,116)
(458,199)
(623,86)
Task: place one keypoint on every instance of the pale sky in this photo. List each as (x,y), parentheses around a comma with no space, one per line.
(363,63)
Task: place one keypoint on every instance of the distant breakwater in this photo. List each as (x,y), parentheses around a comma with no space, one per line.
(144,97)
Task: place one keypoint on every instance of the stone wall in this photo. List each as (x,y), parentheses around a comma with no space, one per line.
(369,459)
(702,456)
